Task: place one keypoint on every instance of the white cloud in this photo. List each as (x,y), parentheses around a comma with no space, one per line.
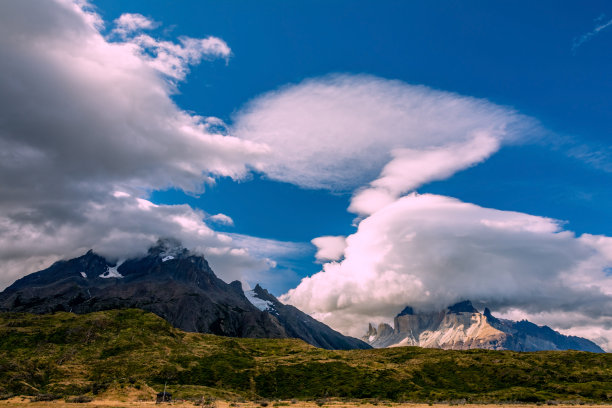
(410,168)
(329,248)
(578,41)
(173,59)
(338,132)
(221,219)
(430,251)
(169,58)
(129,23)
(269,247)
(88,127)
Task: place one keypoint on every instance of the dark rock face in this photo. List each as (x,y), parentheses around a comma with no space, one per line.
(407,311)
(462,307)
(299,324)
(169,281)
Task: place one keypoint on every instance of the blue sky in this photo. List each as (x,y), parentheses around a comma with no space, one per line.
(434,151)
(517,54)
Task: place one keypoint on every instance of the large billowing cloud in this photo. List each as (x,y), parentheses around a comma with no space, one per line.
(329,248)
(382,140)
(430,251)
(85,116)
(338,132)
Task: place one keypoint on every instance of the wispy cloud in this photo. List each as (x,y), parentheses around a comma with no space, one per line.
(578,41)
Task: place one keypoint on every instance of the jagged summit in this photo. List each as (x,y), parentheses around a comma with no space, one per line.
(173,283)
(464,306)
(406,311)
(461,326)
(492,319)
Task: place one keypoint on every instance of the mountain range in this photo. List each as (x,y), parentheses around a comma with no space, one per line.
(461,327)
(179,286)
(175,284)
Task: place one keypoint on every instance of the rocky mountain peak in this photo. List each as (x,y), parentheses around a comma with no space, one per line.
(237,286)
(461,327)
(492,319)
(464,306)
(406,311)
(264,294)
(169,248)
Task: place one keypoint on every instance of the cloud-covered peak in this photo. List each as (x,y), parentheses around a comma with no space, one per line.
(430,251)
(88,127)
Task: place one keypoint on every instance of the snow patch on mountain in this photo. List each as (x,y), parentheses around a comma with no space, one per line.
(111,272)
(171,250)
(263,305)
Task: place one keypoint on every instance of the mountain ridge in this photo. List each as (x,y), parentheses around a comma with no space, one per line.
(461,327)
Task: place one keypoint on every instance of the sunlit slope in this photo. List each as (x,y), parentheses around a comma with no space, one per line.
(67,354)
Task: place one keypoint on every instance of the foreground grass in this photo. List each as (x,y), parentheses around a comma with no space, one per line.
(105,403)
(133,353)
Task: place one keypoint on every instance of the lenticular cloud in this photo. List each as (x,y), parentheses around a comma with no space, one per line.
(338,132)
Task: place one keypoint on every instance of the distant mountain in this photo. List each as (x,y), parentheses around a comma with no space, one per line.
(173,283)
(461,327)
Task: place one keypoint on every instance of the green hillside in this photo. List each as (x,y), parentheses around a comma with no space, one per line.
(66,354)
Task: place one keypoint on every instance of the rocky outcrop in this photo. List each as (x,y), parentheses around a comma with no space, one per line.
(462,327)
(169,281)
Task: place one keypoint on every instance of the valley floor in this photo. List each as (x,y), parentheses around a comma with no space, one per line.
(23,402)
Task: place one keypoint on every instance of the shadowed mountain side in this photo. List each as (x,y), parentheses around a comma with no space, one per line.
(300,325)
(169,281)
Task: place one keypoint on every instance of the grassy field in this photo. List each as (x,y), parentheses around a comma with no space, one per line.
(130,354)
(102,403)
